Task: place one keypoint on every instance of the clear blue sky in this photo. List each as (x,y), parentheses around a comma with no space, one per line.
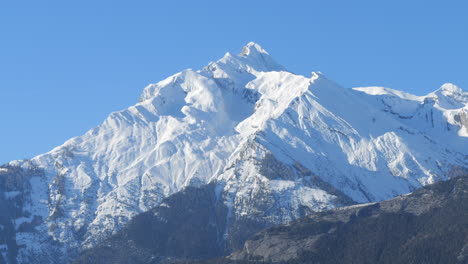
(65,65)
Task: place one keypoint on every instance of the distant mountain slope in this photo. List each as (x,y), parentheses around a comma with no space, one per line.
(277,145)
(427,226)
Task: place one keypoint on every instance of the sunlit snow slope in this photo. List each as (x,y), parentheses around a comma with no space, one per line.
(300,143)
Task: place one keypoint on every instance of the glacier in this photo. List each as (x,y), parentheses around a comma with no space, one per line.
(268,138)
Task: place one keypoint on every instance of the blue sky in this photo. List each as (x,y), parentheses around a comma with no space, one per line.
(65,65)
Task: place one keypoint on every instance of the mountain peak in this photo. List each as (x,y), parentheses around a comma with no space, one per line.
(252,48)
(258,59)
(448,89)
(450,96)
(451,88)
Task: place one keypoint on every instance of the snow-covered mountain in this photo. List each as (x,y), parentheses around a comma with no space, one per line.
(277,146)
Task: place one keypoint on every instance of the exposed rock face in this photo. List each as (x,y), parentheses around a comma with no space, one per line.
(462,119)
(17,218)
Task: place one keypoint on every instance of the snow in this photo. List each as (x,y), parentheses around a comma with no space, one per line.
(375,90)
(219,123)
(450,88)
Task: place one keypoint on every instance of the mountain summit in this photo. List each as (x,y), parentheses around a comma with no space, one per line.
(276,146)
(252,49)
